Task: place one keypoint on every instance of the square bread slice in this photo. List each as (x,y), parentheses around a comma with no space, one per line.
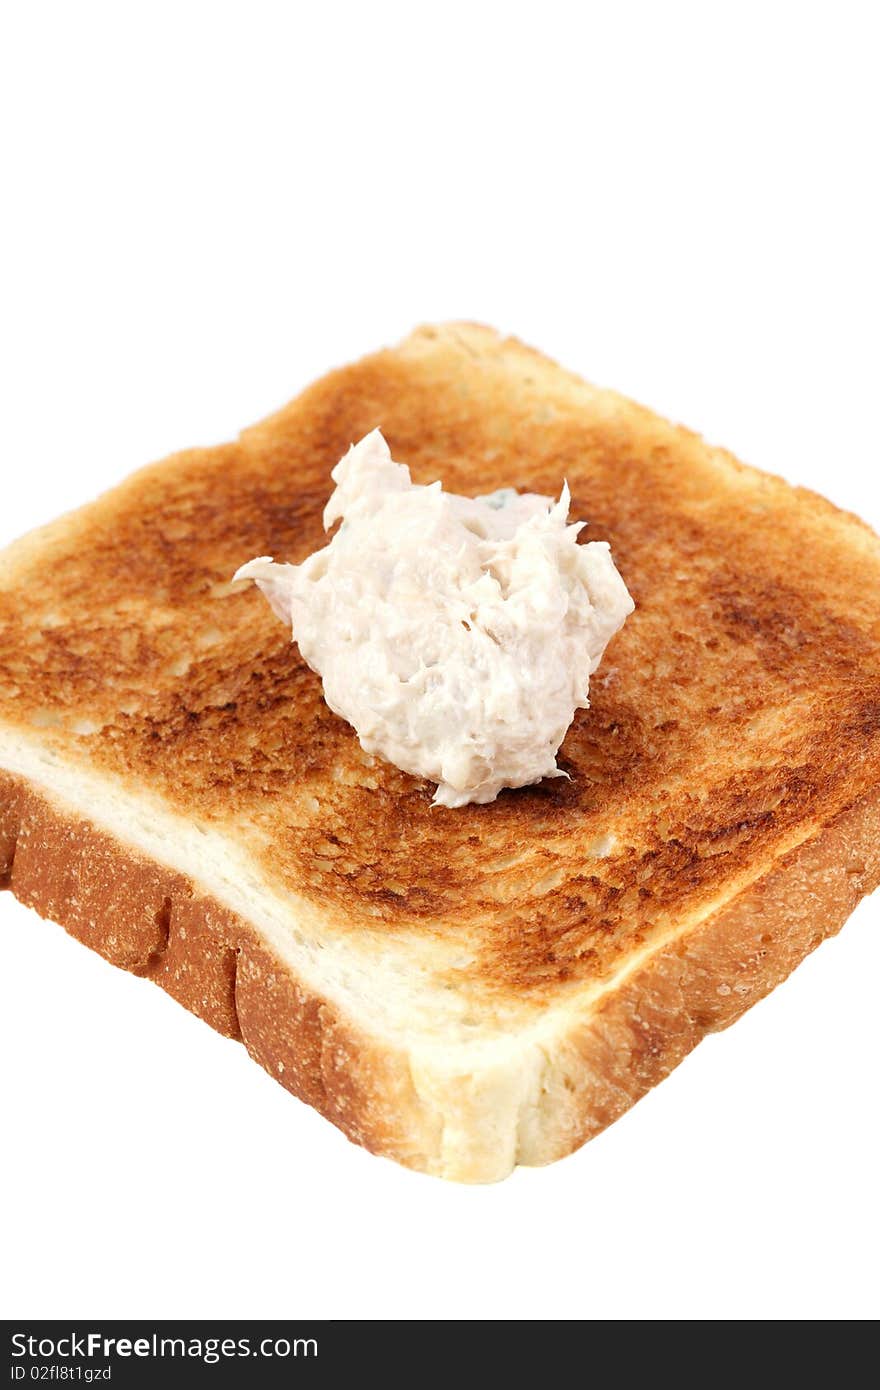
(459,990)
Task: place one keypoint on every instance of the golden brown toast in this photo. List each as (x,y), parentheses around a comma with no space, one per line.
(462,990)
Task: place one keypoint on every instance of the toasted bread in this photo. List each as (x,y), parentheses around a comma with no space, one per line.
(461,990)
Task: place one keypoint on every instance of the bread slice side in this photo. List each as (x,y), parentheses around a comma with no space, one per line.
(465,1112)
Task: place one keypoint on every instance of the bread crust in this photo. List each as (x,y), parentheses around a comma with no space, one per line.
(152,921)
(155,922)
(705,978)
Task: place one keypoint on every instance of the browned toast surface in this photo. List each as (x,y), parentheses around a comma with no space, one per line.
(741,702)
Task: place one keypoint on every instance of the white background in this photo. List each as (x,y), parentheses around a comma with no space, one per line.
(205,206)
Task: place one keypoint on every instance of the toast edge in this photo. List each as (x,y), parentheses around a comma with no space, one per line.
(151,920)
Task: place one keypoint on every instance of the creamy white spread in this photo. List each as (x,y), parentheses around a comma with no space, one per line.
(456,634)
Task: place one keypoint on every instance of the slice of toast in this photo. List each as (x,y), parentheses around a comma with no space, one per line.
(459,990)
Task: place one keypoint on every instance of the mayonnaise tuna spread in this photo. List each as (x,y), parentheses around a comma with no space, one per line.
(456,634)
